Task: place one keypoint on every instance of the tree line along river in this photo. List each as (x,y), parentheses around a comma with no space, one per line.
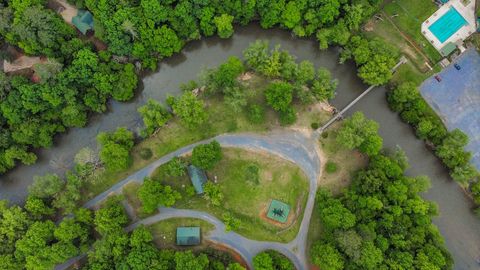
(458,225)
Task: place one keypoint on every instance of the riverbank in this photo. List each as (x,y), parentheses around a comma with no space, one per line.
(460,232)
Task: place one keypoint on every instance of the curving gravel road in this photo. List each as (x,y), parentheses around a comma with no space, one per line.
(290,145)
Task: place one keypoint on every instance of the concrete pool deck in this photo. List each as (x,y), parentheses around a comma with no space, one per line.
(467,12)
(456,99)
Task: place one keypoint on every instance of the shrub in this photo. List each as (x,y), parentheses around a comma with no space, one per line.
(288,117)
(175,167)
(331,167)
(315,125)
(146,153)
(205,156)
(252,174)
(256,114)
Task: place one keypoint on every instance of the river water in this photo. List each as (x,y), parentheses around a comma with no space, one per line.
(460,228)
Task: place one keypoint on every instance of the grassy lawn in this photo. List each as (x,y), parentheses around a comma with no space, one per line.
(347,161)
(407,16)
(221,119)
(247,200)
(411,15)
(164,232)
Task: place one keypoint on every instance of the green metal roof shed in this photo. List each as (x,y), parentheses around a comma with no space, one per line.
(83,21)
(188,236)
(278,211)
(198,178)
(448,49)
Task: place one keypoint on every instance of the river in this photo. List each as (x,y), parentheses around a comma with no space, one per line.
(460,228)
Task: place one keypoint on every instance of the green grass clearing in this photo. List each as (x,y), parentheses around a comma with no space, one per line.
(222,119)
(164,232)
(248,201)
(411,15)
(347,161)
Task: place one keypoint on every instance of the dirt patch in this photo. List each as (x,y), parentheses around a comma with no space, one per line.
(65,10)
(236,256)
(267,175)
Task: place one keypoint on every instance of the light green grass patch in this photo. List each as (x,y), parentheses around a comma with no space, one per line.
(278,179)
(164,232)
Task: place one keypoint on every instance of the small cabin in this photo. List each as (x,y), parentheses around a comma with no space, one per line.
(83,21)
(188,236)
(198,178)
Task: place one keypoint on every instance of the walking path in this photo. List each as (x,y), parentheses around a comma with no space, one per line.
(339,115)
(290,145)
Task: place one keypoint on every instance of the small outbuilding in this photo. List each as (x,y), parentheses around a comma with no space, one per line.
(188,236)
(198,178)
(278,211)
(83,21)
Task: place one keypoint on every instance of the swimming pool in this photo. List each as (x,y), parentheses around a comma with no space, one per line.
(447,25)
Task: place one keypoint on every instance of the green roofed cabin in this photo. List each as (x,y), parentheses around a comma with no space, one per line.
(448,49)
(83,21)
(278,211)
(188,236)
(198,178)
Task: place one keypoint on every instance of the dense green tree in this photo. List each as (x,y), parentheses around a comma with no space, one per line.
(327,257)
(115,149)
(110,218)
(46,186)
(38,208)
(359,132)
(231,223)
(263,261)
(279,95)
(187,260)
(189,108)
(154,116)
(225,76)
(206,156)
(224,25)
(69,197)
(175,167)
(152,194)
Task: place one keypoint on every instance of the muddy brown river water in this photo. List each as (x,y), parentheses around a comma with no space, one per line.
(458,225)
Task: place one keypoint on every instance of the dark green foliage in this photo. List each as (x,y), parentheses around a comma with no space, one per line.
(115,149)
(231,223)
(189,108)
(288,117)
(256,114)
(375,59)
(359,132)
(370,225)
(279,95)
(153,194)
(331,167)
(154,116)
(206,156)
(225,76)
(252,174)
(212,193)
(146,153)
(175,167)
(272,260)
(111,218)
(149,30)
(407,100)
(315,126)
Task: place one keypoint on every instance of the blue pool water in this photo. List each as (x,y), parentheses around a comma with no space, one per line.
(447,25)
